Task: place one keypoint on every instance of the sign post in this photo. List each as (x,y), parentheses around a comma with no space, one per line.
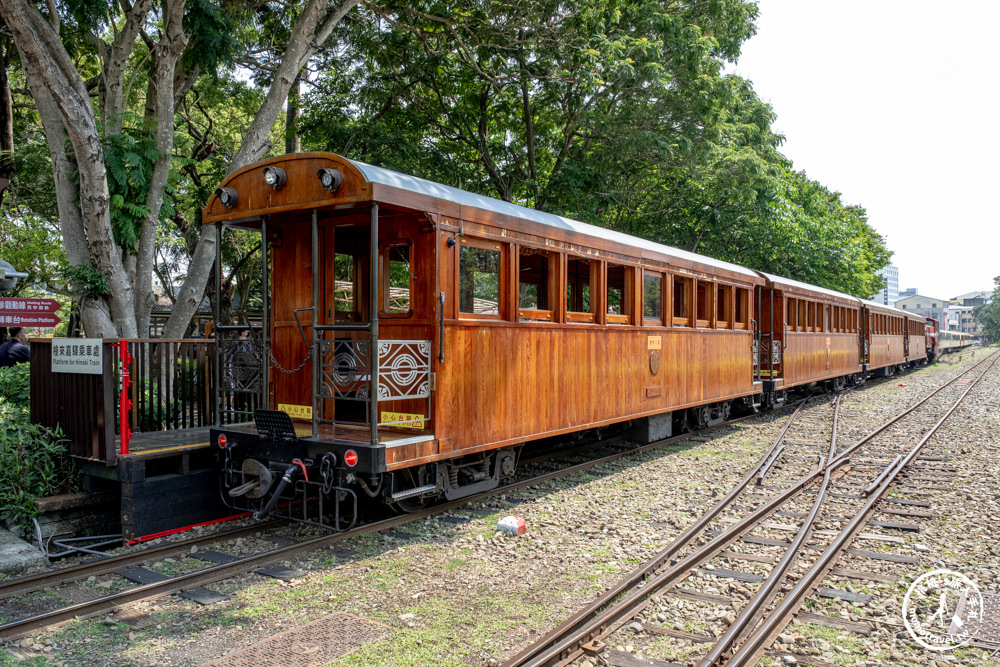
(78,355)
(28,312)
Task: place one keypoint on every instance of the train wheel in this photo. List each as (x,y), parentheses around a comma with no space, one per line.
(411,505)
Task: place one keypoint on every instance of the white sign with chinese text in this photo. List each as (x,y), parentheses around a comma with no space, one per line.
(77,355)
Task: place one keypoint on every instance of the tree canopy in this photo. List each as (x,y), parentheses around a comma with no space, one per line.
(988,314)
(126,115)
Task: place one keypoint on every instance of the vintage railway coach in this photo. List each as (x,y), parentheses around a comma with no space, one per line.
(816,335)
(415,335)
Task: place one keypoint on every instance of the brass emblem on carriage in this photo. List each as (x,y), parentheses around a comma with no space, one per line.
(654,362)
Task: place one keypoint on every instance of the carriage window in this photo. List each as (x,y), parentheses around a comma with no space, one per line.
(802,314)
(724,302)
(397,279)
(343,290)
(578,290)
(742,307)
(682,301)
(826,318)
(792,314)
(619,296)
(652,296)
(479,280)
(704,303)
(534,283)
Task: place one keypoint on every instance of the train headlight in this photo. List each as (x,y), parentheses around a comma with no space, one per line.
(275,177)
(227,196)
(330,179)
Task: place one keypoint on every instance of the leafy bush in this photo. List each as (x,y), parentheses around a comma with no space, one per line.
(15,385)
(33,459)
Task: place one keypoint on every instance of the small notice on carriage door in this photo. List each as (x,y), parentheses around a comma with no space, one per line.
(77,355)
(653,343)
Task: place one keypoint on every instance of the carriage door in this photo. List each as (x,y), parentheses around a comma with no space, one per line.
(768,336)
(755,341)
(406,322)
(906,338)
(864,321)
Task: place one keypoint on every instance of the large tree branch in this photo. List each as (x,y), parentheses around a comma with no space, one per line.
(167,54)
(307,36)
(112,100)
(52,70)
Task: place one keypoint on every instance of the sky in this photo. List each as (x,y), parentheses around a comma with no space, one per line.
(896,105)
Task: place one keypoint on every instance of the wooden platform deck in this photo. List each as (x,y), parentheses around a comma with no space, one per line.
(168,443)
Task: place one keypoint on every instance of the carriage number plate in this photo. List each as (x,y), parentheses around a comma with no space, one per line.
(653,343)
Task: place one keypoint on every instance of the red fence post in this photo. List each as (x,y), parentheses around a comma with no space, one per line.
(124,402)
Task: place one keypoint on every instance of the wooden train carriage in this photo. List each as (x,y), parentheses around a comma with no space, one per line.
(916,338)
(816,334)
(885,332)
(410,323)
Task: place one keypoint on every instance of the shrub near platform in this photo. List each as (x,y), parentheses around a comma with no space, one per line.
(33,460)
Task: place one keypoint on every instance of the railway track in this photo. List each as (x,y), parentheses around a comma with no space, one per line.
(829,505)
(197,580)
(794,434)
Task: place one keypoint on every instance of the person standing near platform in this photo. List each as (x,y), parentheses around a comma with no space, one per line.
(14,351)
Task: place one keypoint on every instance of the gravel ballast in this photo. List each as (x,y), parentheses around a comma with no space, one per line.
(452,590)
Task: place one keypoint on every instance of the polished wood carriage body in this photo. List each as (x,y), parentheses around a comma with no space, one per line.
(532,325)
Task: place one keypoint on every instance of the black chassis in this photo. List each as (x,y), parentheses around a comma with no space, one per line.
(241,444)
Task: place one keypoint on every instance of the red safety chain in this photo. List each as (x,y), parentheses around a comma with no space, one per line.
(124,402)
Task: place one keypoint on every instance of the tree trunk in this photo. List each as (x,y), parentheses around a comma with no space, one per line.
(293,143)
(167,54)
(307,36)
(6,112)
(53,70)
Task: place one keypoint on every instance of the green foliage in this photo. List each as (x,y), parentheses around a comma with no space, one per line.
(615,114)
(15,385)
(129,159)
(89,14)
(33,459)
(988,314)
(32,244)
(87,279)
(211,38)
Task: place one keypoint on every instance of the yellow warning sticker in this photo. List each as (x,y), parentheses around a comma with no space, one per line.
(653,343)
(297,411)
(403,420)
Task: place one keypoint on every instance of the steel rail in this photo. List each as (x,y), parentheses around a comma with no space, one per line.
(110,564)
(762,637)
(44,580)
(562,644)
(749,615)
(568,627)
(565,649)
(20,628)
(853,448)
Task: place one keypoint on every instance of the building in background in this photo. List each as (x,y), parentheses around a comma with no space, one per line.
(972,298)
(925,306)
(890,293)
(909,291)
